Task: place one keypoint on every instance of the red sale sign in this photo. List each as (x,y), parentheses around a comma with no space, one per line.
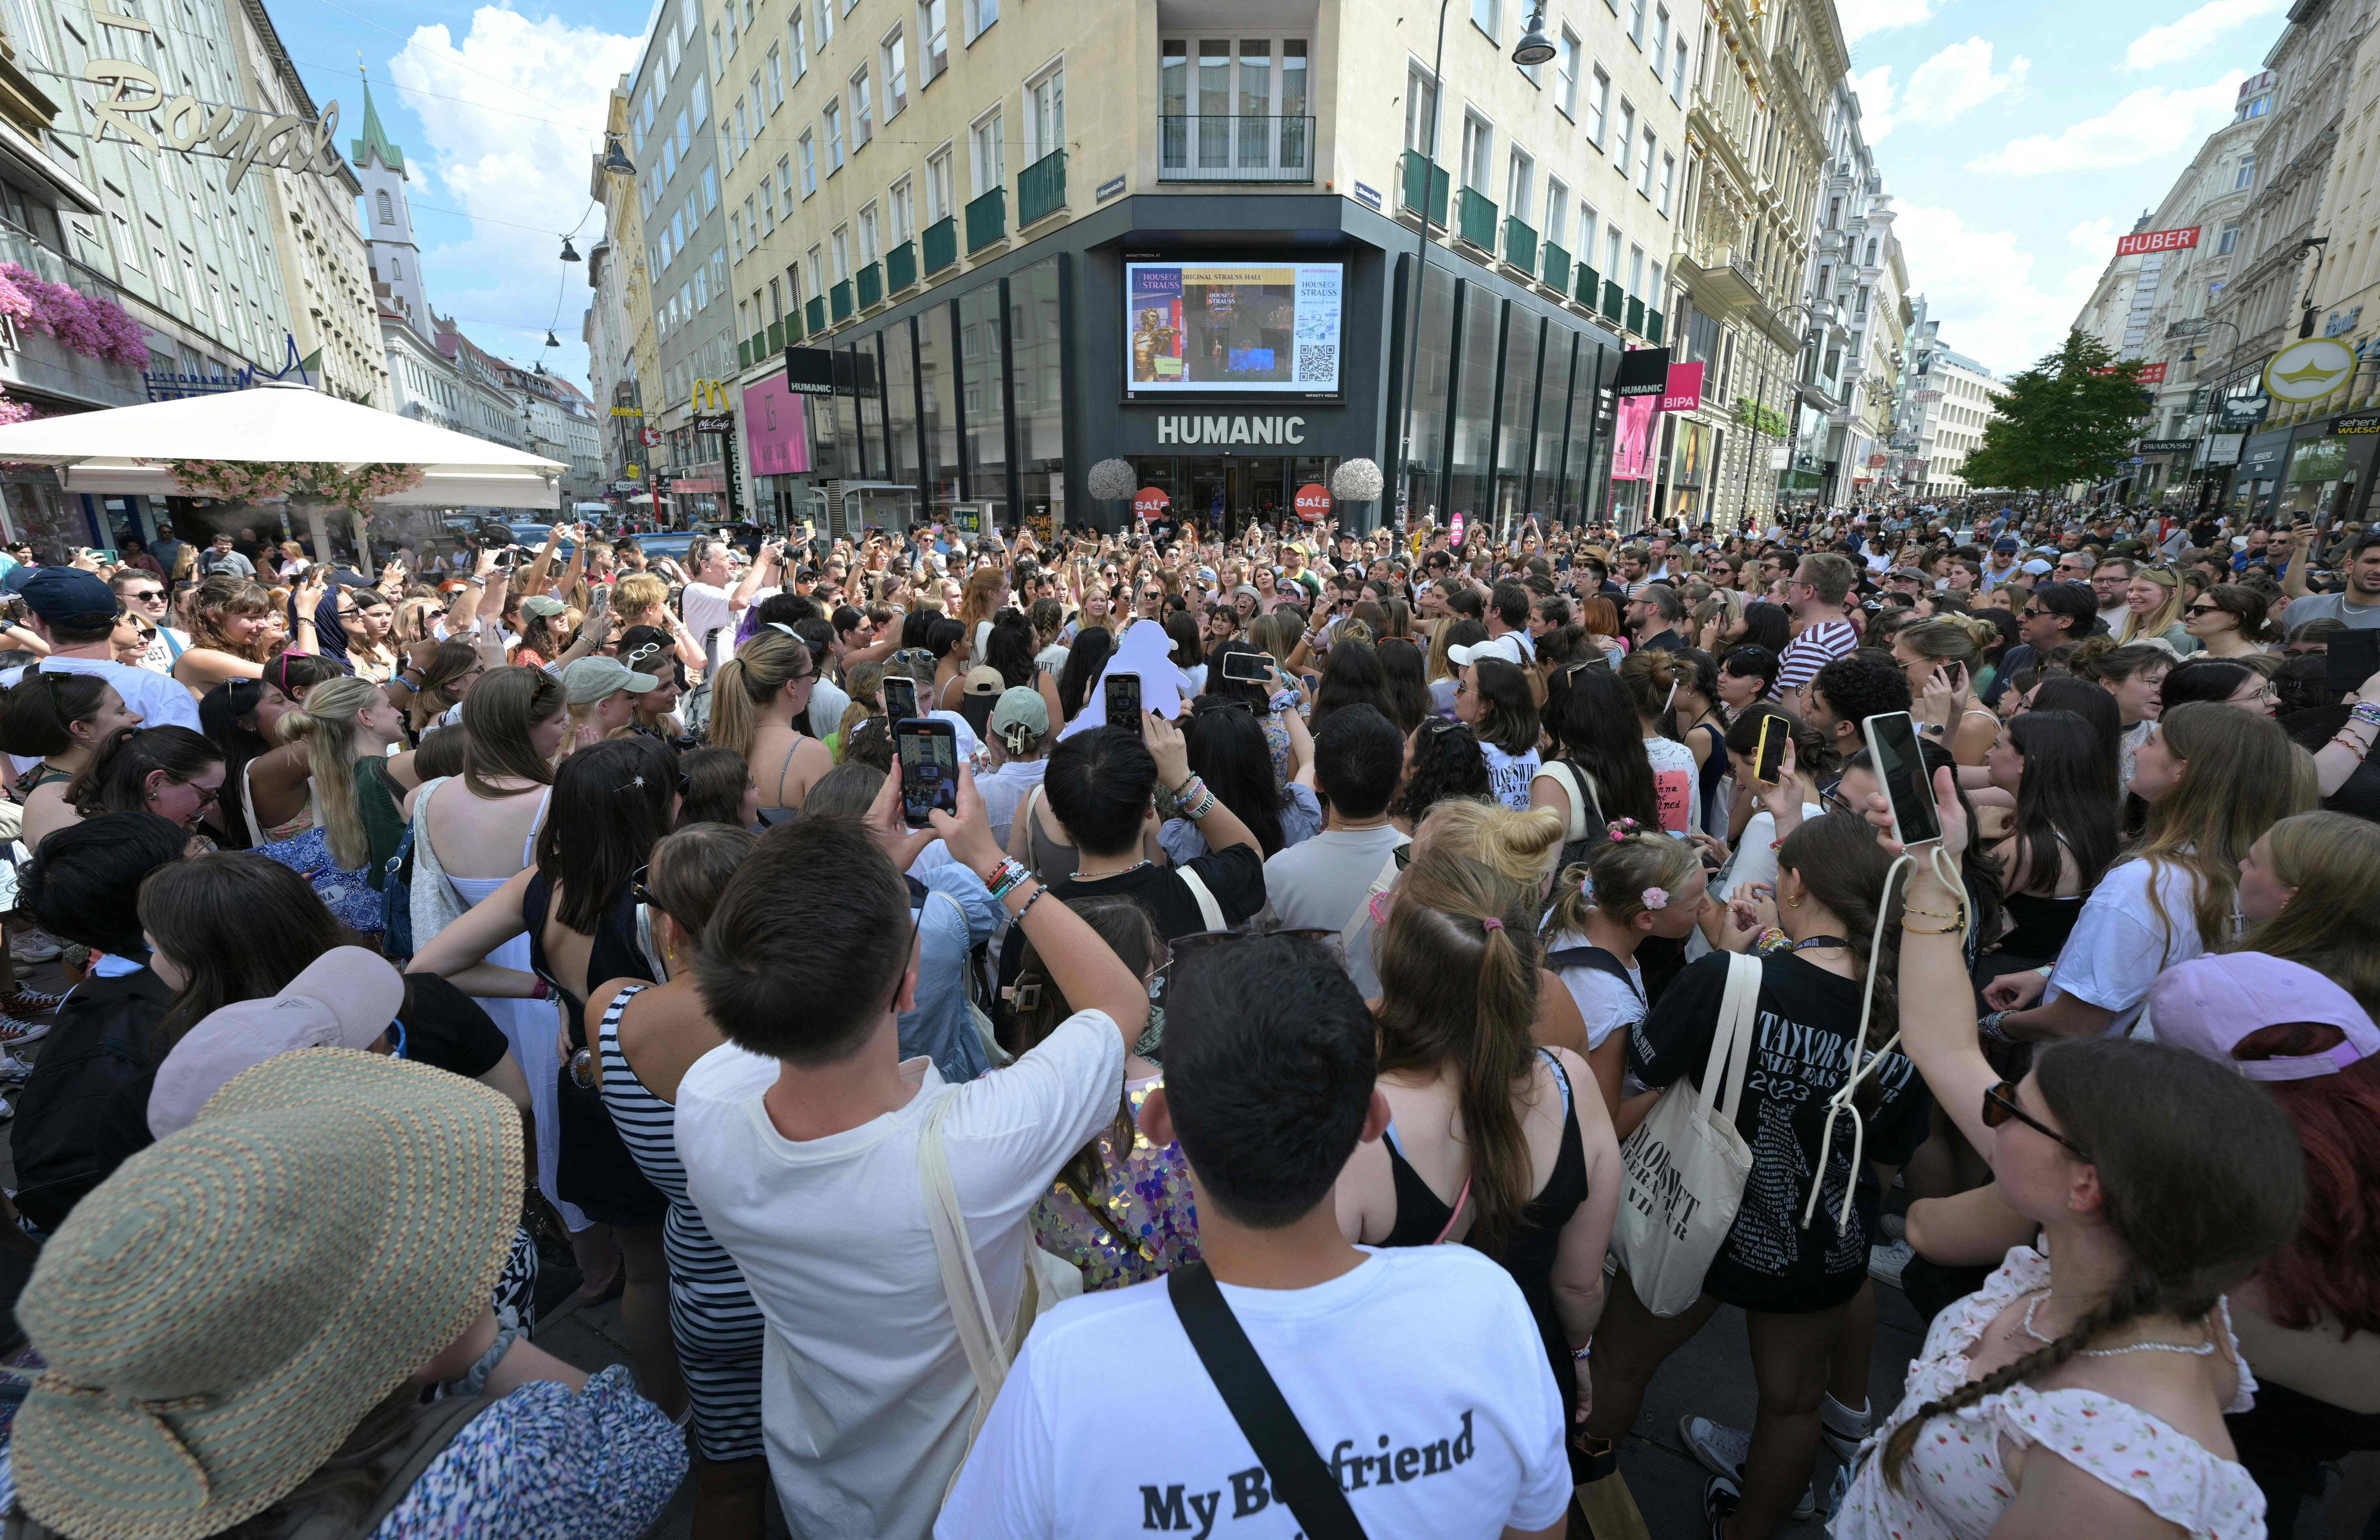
(2158,240)
(1455,530)
(1313,501)
(1150,502)
(1684,391)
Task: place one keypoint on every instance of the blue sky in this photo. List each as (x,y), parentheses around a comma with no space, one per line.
(2020,140)
(2017,139)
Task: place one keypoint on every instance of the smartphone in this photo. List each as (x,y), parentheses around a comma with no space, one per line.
(1768,756)
(97,554)
(1900,765)
(602,603)
(928,753)
(900,697)
(2352,657)
(1256,668)
(1122,698)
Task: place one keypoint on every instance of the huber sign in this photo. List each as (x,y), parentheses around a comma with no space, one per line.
(2156,240)
(1313,501)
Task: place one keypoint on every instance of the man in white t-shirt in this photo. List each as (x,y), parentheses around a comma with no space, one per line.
(74,611)
(803,1141)
(1415,1372)
(710,607)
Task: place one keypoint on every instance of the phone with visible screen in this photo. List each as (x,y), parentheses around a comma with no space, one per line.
(602,603)
(1121,693)
(1248,667)
(1769,757)
(900,697)
(928,755)
(1892,749)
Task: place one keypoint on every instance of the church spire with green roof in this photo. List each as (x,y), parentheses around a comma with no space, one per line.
(375,140)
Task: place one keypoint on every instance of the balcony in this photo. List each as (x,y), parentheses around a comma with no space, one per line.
(1653,326)
(744,354)
(839,301)
(776,336)
(1555,272)
(941,244)
(1227,148)
(901,267)
(1419,173)
(872,286)
(814,315)
(1615,304)
(1474,219)
(793,324)
(1041,188)
(1520,245)
(986,220)
(1637,316)
(1590,285)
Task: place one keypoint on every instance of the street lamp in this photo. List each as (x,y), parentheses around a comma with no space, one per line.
(1533,49)
(616,159)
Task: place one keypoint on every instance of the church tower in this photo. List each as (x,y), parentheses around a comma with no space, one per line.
(388,222)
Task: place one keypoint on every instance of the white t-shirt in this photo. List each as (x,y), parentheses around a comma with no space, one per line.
(2117,946)
(706,607)
(1509,776)
(1003,791)
(1604,1004)
(1319,884)
(1457,1434)
(162,699)
(1675,786)
(866,1396)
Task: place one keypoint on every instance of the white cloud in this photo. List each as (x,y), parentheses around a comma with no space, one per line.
(2094,236)
(2195,33)
(1982,286)
(1861,17)
(1959,79)
(525,171)
(2143,126)
(1875,93)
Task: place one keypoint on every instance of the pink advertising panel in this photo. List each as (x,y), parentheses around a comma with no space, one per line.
(776,427)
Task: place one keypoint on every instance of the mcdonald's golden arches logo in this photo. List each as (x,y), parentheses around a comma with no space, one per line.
(709,396)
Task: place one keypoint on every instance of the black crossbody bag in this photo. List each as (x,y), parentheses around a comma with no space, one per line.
(1296,1473)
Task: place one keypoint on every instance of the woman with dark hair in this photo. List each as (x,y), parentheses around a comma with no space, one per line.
(267,797)
(2102,709)
(1229,753)
(1696,720)
(2065,835)
(2228,621)
(1351,676)
(717,787)
(1009,649)
(1766,625)
(1442,761)
(1492,699)
(947,640)
(65,719)
(2225,681)
(579,907)
(1404,697)
(433,681)
(1184,632)
(1599,770)
(1746,675)
(1093,645)
(170,772)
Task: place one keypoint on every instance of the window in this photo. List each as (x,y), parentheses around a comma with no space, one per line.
(2247,173)
(685,134)
(895,52)
(1483,16)
(701,288)
(735,230)
(1566,76)
(1587,222)
(825,21)
(987,152)
(767,210)
(718,54)
(1421,109)
(1654,297)
(1635,273)
(817,270)
(1661,39)
(2223,247)
(699,103)
(839,243)
(1612,253)
(1644,167)
(1627,136)
(904,217)
(933,40)
(1045,114)
(1519,171)
(938,186)
(808,148)
(1557,209)
(740,139)
(1598,107)
(776,78)
(1678,74)
(833,137)
(1477,140)
(785,185)
(710,189)
(868,234)
(863,113)
(801,55)
(387,211)
(776,301)
(980,15)
(1859,305)
(1636,23)
(1669,182)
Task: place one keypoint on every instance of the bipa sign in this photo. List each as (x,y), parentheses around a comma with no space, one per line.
(1187,428)
(2156,240)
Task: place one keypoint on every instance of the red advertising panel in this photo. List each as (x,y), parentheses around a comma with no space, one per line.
(1684,391)
(1150,502)
(1314,503)
(2158,240)
(2151,374)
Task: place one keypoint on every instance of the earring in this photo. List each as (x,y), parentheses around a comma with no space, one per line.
(1793,903)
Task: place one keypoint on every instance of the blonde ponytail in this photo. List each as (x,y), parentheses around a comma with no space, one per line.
(325,723)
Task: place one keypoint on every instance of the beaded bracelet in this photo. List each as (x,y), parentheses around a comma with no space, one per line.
(1204,805)
(2366,712)
(1770,942)
(1990,1028)
(1029,902)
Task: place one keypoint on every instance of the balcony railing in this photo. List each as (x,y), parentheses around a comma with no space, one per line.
(814,314)
(941,244)
(1520,245)
(1637,316)
(793,325)
(986,220)
(839,301)
(776,336)
(744,353)
(1421,172)
(1474,218)
(872,286)
(1555,268)
(1615,303)
(1041,188)
(1653,326)
(901,267)
(1590,285)
(1227,148)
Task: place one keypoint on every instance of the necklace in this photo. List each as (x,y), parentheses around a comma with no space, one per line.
(1081,876)
(2196,1350)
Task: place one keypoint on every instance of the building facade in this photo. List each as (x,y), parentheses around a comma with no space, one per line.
(1940,414)
(618,327)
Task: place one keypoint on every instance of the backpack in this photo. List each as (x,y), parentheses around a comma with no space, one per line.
(1592,957)
(396,903)
(1586,829)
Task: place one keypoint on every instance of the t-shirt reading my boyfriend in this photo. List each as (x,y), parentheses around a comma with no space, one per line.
(1455,1435)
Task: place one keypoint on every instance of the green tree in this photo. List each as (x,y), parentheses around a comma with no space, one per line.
(2069,418)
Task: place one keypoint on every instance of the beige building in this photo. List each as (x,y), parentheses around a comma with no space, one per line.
(623,351)
(1756,145)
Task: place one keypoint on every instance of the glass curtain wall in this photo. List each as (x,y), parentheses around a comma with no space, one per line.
(981,379)
(1034,341)
(901,402)
(1553,408)
(1578,481)
(1522,330)
(941,422)
(1471,487)
(1432,356)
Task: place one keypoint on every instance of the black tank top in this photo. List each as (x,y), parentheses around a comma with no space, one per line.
(615,954)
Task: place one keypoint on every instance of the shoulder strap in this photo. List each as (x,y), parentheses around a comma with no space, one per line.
(1209,910)
(1596,958)
(1731,1044)
(989,1349)
(1363,915)
(1298,1477)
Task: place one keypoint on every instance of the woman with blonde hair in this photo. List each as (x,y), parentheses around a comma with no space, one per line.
(1949,649)
(346,728)
(231,622)
(1493,1140)
(758,709)
(1630,888)
(985,592)
(2153,612)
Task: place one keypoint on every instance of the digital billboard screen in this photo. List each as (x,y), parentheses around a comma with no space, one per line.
(1233,328)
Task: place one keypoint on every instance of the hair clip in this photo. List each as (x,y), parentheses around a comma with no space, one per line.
(780,626)
(1491,923)
(632,783)
(1657,898)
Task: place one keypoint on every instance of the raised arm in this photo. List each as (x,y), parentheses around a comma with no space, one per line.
(1217,825)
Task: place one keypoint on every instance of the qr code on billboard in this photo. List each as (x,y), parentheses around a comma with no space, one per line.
(1318,361)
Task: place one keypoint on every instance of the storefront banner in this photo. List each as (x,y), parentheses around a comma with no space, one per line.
(776,429)
(1222,328)
(1631,437)
(2167,446)
(2156,240)
(1685,392)
(2318,460)
(2358,422)
(2223,449)
(1643,372)
(2261,458)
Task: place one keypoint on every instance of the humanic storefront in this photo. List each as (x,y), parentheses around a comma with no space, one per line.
(1230,364)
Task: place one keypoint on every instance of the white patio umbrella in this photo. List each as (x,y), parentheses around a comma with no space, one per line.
(105,452)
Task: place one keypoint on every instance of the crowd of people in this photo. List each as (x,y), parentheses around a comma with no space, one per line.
(1477,965)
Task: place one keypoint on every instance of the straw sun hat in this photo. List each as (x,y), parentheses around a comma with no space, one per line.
(221,1314)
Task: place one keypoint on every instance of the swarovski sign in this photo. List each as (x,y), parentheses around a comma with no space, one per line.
(1185,428)
(137,107)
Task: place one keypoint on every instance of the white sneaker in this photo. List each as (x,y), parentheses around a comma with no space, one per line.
(1884,1263)
(1722,1450)
(6,1111)
(35,946)
(1895,1227)
(12,1067)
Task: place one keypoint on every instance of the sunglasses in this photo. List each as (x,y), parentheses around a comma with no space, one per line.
(2203,610)
(1999,1105)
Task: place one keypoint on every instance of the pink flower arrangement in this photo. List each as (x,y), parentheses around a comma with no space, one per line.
(356,488)
(93,327)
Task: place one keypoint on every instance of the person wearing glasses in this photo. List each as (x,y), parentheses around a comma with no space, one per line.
(2226,681)
(2228,621)
(142,593)
(2054,614)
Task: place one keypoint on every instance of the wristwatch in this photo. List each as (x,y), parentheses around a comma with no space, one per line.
(1931,729)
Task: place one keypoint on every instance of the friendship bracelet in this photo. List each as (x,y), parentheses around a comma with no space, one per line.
(1990,1026)
(1031,902)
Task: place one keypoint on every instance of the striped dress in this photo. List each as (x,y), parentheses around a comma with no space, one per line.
(718,1328)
